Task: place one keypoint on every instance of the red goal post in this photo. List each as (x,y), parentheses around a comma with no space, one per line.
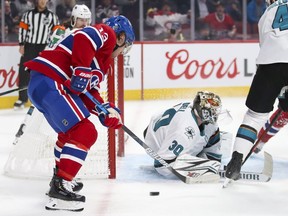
(116,95)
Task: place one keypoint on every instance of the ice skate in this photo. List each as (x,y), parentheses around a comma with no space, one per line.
(18,105)
(62,197)
(75,184)
(234,166)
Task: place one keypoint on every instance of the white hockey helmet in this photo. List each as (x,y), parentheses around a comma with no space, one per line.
(207,106)
(80,11)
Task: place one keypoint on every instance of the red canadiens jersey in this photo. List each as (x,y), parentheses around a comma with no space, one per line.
(226,24)
(91,46)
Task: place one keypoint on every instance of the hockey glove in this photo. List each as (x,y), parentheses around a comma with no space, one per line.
(80,78)
(113,119)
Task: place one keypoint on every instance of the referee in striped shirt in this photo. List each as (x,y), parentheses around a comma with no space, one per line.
(35,28)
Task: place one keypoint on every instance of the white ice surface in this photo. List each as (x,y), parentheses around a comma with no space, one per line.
(128,195)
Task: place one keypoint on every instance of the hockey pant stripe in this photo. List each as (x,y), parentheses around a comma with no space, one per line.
(57,153)
(74,153)
(71,161)
(272,130)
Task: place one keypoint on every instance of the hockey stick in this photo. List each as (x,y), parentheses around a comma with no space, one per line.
(264,176)
(227,181)
(21,129)
(264,133)
(13,90)
(186,176)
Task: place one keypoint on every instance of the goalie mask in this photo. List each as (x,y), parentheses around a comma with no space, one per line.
(207,106)
(80,11)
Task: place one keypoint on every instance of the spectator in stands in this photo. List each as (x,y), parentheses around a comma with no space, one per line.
(106,9)
(201,8)
(201,11)
(51,5)
(64,10)
(154,3)
(175,33)
(131,11)
(255,9)
(22,6)
(5,39)
(203,33)
(233,8)
(183,6)
(212,5)
(221,24)
(13,8)
(11,21)
(162,21)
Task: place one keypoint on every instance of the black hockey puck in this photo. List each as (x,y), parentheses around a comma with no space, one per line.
(154,193)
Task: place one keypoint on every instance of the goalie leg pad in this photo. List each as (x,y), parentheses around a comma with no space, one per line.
(197,170)
(58,204)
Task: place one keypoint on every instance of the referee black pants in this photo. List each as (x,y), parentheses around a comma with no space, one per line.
(30,51)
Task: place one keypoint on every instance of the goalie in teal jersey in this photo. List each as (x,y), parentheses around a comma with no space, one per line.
(188,128)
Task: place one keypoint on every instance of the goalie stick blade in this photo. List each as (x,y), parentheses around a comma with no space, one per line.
(263,176)
(268,166)
(226,182)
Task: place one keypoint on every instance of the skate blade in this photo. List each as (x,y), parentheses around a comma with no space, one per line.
(227,182)
(17,108)
(57,204)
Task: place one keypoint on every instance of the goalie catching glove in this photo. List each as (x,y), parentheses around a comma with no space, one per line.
(80,79)
(113,119)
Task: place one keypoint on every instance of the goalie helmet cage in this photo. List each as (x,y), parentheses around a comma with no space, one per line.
(33,155)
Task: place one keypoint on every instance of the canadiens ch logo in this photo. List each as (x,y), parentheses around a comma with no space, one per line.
(65,122)
(190,132)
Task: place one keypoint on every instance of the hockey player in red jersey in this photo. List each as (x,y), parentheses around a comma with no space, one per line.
(59,77)
(80,18)
(271,76)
